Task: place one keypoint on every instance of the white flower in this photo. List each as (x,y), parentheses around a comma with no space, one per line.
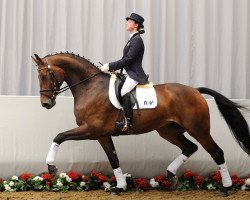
(106,186)
(38,178)
(11,183)
(68,179)
(62,175)
(210,187)
(7,188)
(243,187)
(247,182)
(153,183)
(5,182)
(15,178)
(59,184)
(127,175)
(82,184)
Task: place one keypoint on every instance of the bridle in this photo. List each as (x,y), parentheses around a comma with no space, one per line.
(55,83)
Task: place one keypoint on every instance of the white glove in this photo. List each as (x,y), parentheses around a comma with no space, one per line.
(105,68)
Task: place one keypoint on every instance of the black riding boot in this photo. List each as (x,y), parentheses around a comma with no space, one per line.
(128,111)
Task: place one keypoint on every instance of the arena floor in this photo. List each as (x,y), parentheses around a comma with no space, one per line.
(92,195)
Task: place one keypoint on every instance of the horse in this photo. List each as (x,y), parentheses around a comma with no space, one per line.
(180,109)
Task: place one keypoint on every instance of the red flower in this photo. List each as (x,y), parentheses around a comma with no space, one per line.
(166,184)
(47,183)
(216,176)
(241,181)
(248,176)
(188,174)
(25,176)
(160,178)
(102,178)
(47,177)
(237,181)
(199,180)
(96,174)
(234,181)
(85,179)
(141,184)
(1,180)
(113,179)
(234,176)
(73,175)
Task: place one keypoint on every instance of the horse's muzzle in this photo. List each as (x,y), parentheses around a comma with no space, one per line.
(48,104)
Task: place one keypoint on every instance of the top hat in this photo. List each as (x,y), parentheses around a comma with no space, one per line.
(137,18)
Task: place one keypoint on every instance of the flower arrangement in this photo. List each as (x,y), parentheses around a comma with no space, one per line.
(96,180)
(191,181)
(160,182)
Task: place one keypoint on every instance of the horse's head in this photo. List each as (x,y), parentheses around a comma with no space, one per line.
(50,78)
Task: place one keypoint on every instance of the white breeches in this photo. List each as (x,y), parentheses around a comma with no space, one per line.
(128,85)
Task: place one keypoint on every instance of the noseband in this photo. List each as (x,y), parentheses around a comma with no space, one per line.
(55,83)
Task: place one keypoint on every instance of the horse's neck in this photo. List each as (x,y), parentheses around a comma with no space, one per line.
(75,72)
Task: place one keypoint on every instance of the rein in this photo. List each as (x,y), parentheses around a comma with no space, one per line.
(55,82)
(82,81)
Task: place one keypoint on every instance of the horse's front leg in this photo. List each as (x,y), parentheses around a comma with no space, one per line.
(80,133)
(109,148)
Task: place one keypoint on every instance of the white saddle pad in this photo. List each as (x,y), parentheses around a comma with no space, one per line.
(146,96)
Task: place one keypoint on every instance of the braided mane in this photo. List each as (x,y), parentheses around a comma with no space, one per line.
(72,55)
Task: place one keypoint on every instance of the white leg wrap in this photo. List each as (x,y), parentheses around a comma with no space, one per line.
(226,179)
(120,179)
(174,166)
(52,154)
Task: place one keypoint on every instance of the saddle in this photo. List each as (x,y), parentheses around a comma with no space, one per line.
(145,93)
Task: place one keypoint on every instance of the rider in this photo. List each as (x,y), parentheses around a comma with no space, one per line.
(131,64)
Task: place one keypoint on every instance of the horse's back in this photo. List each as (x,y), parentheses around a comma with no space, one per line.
(178,91)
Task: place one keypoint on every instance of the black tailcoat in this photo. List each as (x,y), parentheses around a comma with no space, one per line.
(132,60)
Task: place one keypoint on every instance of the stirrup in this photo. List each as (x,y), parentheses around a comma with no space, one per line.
(123,126)
(119,125)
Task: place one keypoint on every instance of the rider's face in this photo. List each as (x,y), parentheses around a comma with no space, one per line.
(131,26)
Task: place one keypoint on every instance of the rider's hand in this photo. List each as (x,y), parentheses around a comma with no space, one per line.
(104,68)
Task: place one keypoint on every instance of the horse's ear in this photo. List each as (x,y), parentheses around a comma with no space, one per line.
(38,60)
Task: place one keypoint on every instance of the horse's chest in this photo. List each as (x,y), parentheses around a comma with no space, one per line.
(80,114)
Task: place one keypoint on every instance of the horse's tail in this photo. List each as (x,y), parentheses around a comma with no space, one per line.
(233,117)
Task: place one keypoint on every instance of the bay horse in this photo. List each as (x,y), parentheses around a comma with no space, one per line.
(180,109)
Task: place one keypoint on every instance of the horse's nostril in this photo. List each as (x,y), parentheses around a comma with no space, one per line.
(46,105)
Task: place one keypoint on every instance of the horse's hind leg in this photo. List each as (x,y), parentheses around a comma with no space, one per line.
(174,134)
(218,156)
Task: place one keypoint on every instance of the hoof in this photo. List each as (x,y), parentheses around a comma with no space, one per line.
(224,191)
(53,170)
(116,190)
